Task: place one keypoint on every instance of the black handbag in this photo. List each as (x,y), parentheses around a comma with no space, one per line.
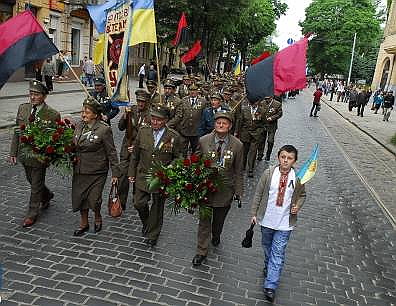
(247,241)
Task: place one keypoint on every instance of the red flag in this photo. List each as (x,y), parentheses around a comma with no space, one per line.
(22,40)
(263,56)
(192,53)
(290,67)
(180,27)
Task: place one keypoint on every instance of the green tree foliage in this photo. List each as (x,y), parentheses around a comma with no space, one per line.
(334,22)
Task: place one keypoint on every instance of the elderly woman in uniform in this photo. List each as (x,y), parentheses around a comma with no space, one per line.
(95,150)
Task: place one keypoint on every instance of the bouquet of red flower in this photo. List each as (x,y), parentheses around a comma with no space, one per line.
(49,142)
(187,183)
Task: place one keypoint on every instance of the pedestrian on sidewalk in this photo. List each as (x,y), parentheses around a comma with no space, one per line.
(35,170)
(95,151)
(378,101)
(89,70)
(316,102)
(142,73)
(352,98)
(59,64)
(278,198)
(340,91)
(49,73)
(361,102)
(37,69)
(332,90)
(389,102)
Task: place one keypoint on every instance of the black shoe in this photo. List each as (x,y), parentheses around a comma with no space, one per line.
(310,115)
(98,227)
(151,242)
(198,260)
(269,294)
(80,231)
(215,241)
(250,174)
(47,201)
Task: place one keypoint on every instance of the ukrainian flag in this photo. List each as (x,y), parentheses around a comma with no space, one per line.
(143,28)
(237,65)
(308,170)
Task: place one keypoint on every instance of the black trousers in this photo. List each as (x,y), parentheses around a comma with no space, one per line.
(360,109)
(141,79)
(314,109)
(48,82)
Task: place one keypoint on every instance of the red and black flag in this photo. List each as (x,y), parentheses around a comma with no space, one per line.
(192,53)
(22,40)
(262,57)
(281,72)
(181,30)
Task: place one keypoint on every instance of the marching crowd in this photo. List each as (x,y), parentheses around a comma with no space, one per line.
(167,122)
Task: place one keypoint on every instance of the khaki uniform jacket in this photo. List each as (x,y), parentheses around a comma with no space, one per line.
(171,102)
(260,199)
(95,150)
(188,118)
(45,113)
(250,127)
(273,109)
(138,119)
(154,98)
(145,154)
(233,169)
(183,91)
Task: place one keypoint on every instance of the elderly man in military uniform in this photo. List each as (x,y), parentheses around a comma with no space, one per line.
(183,88)
(152,89)
(154,143)
(250,130)
(169,98)
(131,121)
(272,111)
(228,152)
(35,170)
(206,125)
(100,94)
(188,117)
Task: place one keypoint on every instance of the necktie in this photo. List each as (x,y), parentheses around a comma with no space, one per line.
(192,102)
(218,151)
(33,114)
(156,133)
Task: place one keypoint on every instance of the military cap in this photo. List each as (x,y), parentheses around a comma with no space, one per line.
(186,77)
(99,81)
(93,104)
(193,87)
(142,97)
(227,91)
(160,112)
(216,95)
(140,91)
(169,83)
(223,114)
(39,87)
(151,83)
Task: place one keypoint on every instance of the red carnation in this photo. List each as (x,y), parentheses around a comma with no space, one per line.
(189,186)
(22,127)
(197,171)
(166,181)
(67,149)
(24,139)
(209,183)
(67,121)
(194,158)
(55,137)
(30,139)
(207,163)
(186,163)
(160,174)
(50,150)
(60,130)
(73,126)
(61,122)
(31,118)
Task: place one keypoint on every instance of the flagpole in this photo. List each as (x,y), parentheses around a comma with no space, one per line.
(75,74)
(158,73)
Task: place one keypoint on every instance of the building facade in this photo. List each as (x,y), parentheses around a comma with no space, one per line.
(385,72)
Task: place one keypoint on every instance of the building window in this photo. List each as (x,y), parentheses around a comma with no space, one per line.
(385,73)
(75,47)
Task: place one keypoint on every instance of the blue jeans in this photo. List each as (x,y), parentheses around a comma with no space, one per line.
(274,245)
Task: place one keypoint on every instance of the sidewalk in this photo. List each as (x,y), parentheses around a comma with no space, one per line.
(371,124)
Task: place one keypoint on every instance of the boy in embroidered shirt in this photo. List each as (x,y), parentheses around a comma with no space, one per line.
(278,198)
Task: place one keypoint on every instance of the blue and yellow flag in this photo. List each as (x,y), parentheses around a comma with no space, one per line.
(237,65)
(308,170)
(143,28)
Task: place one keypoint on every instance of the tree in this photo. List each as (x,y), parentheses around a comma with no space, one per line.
(334,22)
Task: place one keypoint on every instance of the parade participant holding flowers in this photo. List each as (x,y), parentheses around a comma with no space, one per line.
(95,150)
(227,151)
(35,169)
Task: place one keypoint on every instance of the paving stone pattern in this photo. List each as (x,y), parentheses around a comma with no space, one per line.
(341,253)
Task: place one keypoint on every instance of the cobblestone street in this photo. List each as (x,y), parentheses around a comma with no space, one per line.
(342,252)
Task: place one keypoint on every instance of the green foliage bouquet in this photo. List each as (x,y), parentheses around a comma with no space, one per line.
(187,183)
(49,142)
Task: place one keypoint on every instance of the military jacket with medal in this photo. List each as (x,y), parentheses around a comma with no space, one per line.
(95,150)
(271,109)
